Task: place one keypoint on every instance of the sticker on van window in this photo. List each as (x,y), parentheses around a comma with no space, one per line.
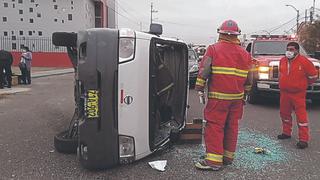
(92,104)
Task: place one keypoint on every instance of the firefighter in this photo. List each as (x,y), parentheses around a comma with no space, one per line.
(296,73)
(225,67)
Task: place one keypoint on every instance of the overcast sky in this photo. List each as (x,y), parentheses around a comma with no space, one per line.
(196,21)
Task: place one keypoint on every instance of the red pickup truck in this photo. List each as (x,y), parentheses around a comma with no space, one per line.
(267,50)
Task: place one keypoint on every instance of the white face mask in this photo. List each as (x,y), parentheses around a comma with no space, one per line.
(289,54)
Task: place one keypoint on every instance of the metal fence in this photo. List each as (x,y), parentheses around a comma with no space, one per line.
(35,44)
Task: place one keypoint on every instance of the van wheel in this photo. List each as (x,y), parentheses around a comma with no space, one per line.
(64,144)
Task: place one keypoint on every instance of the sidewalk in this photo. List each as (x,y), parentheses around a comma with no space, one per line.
(36,72)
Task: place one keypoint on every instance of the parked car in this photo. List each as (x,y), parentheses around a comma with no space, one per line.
(193,67)
(131,95)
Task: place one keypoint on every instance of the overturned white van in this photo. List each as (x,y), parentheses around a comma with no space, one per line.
(131,94)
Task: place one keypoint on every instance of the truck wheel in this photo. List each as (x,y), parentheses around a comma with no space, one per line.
(64,144)
(315,101)
(253,98)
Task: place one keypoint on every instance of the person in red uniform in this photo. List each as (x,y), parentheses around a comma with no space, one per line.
(225,68)
(296,73)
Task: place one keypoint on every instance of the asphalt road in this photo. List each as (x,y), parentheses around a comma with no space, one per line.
(29,121)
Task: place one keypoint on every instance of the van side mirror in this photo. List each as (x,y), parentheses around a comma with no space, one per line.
(155,29)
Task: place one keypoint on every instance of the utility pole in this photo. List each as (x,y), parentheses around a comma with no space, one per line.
(298,15)
(314,8)
(312,11)
(306,16)
(152,11)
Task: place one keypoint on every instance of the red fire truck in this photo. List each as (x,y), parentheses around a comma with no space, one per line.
(267,50)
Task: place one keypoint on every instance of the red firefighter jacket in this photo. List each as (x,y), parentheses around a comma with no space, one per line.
(296,74)
(225,66)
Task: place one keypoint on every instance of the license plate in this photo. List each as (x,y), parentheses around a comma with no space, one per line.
(92,104)
(263,86)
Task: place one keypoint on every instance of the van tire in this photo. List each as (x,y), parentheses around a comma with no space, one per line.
(64,144)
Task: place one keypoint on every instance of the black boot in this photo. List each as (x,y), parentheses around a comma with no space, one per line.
(302,145)
(283,136)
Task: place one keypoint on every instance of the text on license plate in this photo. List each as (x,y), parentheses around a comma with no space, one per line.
(92,104)
(263,86)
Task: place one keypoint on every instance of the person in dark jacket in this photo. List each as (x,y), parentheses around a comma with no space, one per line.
(6,60)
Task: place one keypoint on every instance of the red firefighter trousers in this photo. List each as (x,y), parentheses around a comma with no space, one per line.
(294,102)
(221,132)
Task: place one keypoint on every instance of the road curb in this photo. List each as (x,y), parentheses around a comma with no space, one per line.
(13,91)
(52,73)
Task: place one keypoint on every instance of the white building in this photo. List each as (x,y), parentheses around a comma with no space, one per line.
(32,22)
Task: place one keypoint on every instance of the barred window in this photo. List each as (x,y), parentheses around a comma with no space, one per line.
(14,46)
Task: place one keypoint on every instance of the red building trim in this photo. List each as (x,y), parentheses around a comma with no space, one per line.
(47,59)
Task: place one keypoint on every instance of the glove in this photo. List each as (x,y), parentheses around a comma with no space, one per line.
(202,97)
(245,99)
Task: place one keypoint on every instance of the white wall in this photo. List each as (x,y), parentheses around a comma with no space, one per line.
(50,20)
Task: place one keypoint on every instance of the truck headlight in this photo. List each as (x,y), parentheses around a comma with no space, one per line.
(264,69)
(263,72)
(126,149)
(194,68)
(126,45)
